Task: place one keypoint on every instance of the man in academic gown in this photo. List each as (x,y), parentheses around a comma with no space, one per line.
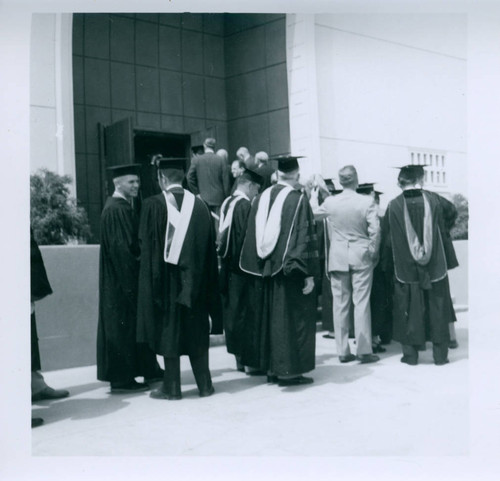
(280,252)
(414,252)
(119,358)
(178,280)
(233,282)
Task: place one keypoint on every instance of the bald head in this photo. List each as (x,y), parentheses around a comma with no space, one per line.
(261,157)
(348,177)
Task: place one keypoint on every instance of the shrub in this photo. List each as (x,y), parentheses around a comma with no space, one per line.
(55,216)
(461,229)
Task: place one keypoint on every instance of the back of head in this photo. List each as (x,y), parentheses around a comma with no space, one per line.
(348,177)
(411,175)
(242,153)
(261,156)
(223,154)
(172,176)
(209,143)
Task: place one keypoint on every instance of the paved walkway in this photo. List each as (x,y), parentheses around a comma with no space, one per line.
(382,409)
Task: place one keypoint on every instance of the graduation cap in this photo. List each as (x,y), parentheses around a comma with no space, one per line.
(287,163)
(197,149)
(367,188)
(253,176)
(171,163)
(411,172)
(124,169)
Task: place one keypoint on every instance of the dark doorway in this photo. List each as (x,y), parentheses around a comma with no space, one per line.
(147,144)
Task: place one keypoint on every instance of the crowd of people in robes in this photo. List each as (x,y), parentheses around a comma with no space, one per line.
(244,248)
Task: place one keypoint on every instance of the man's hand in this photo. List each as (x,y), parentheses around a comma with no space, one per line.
(308,285)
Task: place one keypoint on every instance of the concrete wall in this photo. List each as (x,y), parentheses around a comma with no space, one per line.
(67,319)
(459,277)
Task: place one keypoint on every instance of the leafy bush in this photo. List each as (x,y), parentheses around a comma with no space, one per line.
(461,229)
(55,216)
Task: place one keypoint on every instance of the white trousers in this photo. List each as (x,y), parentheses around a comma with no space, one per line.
(353,287)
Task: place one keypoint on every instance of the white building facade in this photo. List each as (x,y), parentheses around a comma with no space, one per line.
(380,91)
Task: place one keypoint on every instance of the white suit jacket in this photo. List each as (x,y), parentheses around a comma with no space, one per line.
(353,229)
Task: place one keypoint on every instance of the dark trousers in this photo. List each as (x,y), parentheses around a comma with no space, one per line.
(439,353)
(35,351)
(172,376)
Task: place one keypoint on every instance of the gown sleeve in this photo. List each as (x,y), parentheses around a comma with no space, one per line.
(302,256)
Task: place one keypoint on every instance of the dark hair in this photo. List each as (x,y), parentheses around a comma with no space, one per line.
(173,175)
(410,175)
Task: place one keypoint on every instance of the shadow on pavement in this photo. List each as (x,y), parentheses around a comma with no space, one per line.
(76,409)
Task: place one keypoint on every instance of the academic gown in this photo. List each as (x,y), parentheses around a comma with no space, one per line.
(175,301)
(40,288)
(422,305)
(119,358)
(234,282)
(280,322)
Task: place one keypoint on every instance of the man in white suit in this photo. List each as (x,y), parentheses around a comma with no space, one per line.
(354,232)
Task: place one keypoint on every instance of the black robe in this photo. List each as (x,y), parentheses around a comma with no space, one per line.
(175,301)
(280,322)
(40,288)
(234,282)
(119,358)
(422,305)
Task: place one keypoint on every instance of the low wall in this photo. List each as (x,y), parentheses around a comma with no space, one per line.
(459,277)
(67,320)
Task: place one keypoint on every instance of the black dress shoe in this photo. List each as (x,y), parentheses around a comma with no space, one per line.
(442,363)
(129,387)
(255,373)
(410,362)
(49,393)
(348,358)
(207,392)
(159,394)
(378,348)
(328,336)
(295,381)
(368,358)
(35,422)
(272,379)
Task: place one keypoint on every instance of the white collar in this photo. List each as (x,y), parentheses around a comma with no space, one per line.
(119,195)
(208,149)
(238,192)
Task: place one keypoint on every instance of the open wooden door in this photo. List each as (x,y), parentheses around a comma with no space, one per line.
(119,143)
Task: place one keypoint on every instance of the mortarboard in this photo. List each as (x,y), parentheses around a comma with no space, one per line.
(412,172)
(253,176)
(124,169)
(171,163)
(367,188)
(287,163)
